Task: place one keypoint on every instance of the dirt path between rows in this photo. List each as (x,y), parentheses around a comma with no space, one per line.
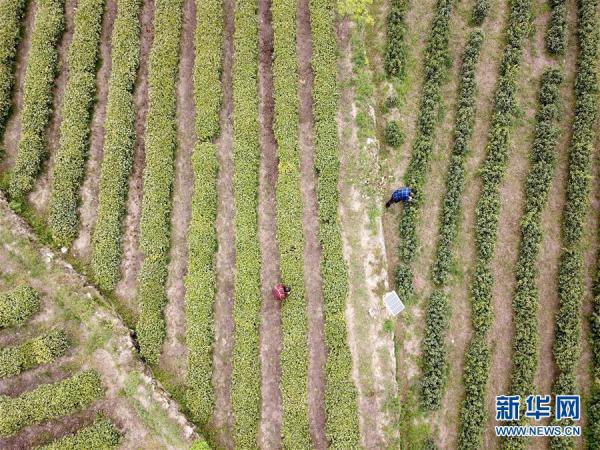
(132,255)
(89,190)
(223,346)
(40,195)
(270,328)
(512,194)
(13,124)
(174,357)
(310,221)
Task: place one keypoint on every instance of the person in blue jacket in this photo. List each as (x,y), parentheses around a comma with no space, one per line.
(404,195)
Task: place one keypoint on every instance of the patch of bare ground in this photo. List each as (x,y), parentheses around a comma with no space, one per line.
(174,357)
(89,189)
(270,329)
(222,421)
(374,368)
(132,256)
(459,331)
(535,62)
(40,194)
(29,380)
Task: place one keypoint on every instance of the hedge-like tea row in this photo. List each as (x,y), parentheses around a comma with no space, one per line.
(102,434)
(11,14)
(18,305)
(473,413)
(396,51)
(245,391)
(160,145)
(435,363)
(435,67)
(49,401)
(480,11)
(37,96)
(200,281)
(75,125)
(119,141)
(33,353)
(556,37)
(571,270)
(340,393)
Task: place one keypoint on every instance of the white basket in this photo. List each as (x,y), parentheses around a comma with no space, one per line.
(393,303)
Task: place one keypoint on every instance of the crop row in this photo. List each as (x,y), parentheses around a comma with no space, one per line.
(556,36)
(396,50)
(119,141)
(200,281)
(435,363)
(571,270)
(245,391)
(41,350)
(11,14)
(75,125)
(49,401)
(37,96)
(435,67)
(17,306)
(101,434)
(473,413)
(294,353)
(160,145)
(340,393)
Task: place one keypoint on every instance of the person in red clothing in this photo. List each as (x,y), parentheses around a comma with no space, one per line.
(281,292)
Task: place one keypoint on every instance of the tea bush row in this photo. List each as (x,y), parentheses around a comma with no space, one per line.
(556,36)
(396,50)
(18,305)
(102,434)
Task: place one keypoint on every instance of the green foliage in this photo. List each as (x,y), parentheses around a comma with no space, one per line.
(474,412)
(11,14)
(394,136)
(37,95)
(480,11)
(556,37)
(102,434)
(160,145)
(341,405)
(392,102)
(245,392)
(18,305)
(76,114)
(49,401)
(38,351)
(396,49)
(200,281)
(119,141)
(358,10)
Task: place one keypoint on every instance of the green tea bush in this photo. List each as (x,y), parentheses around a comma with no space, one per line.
(473,412)
(396,50)
(37,96)
(11,14)
(392,102)
(200,281)
(393,134)
(119,141)
(18,305)
(341,405)
(102,434)
(49,401)
(160,145)
(33,353)
(435,363)
(245,392)
(480,11)
(556,37)
(76,113)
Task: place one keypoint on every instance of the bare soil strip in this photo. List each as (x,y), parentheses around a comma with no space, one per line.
(174,355)
(132,256)
(223,346)
(512,195)
(270,332)
(89,189)
(13,125)
(29,380)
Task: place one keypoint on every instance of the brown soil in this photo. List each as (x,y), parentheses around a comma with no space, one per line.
(223,346)
(40,194)
(31,379)
(270,329)
(312,248)
(132,256)
(90,186)
(174,355)
(13,125)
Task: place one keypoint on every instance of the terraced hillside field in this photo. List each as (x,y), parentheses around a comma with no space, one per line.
(165,163)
